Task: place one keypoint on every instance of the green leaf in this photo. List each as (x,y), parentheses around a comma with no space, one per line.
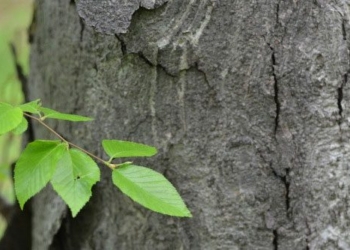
(151,189)
(50,113)
(35,167)
(31,107)
(22,127)
(75,175)
(118,149)
(10,117)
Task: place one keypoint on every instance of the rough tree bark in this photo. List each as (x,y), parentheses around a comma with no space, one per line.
(247,102)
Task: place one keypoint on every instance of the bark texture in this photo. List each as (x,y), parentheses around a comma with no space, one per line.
(112,16)
(247,102)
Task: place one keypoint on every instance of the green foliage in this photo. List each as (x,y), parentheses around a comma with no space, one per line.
(49,113)
(75,175)
(35,167)
(151,189)
(72,172)
(21,128)
(10,117)
(31,107)
(119,149)
(15,17)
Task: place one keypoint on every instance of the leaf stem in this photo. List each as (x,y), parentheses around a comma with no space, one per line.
(46,126)
(87,152)
(64,140)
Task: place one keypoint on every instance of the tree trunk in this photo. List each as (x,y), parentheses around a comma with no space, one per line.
(247,102)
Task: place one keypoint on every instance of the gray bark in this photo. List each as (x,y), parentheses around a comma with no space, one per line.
(247,102)
(112,16)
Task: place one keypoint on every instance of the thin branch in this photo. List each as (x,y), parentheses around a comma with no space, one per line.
(87,152)
(46,126)
(64,140)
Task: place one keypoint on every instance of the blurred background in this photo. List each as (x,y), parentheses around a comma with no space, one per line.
(15,19)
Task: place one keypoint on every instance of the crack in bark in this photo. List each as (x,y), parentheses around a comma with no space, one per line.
(343,30)
(141,56)
(202,71)
(345,76)
(122,44)
(340,97)
(82,28)
(308,234)
(213,94)
(145,59)
(196,66)
(275,239)
(277,12)
(286,183)
(275,86)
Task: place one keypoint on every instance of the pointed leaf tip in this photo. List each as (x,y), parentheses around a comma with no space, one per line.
(53,114)
(150,189)
(75,175)
(119,149)
(31,107)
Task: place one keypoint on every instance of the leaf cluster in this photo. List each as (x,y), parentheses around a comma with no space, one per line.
(72,171)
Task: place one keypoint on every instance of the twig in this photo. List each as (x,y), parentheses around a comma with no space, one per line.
(70,143)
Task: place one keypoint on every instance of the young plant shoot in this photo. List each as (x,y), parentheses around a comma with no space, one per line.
(72,170)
